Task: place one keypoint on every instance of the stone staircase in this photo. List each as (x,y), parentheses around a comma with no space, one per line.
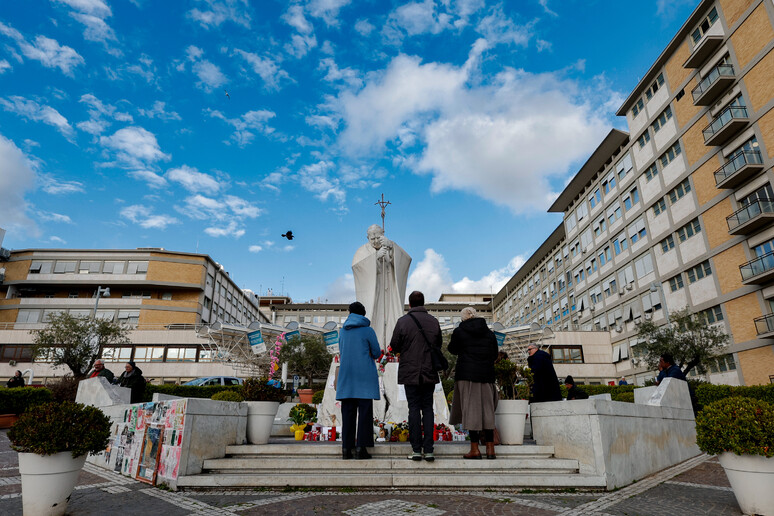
(299,464)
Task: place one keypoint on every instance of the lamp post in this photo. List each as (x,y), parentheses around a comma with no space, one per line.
(656,287)
(105,292)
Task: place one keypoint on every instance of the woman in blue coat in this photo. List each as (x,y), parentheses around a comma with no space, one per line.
(358,383)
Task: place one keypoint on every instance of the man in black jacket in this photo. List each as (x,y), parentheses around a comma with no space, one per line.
(545,386)
(414,333)
(573,392)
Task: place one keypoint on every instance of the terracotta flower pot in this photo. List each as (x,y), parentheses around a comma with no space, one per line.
(306,395)
(7,420)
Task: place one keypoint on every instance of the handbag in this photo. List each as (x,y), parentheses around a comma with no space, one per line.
(436,355)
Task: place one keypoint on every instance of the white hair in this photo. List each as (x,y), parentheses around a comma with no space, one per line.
(468,313)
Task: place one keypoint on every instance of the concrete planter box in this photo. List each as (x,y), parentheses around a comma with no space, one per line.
(752,479)
(260,418)
(48,481)
(510,417)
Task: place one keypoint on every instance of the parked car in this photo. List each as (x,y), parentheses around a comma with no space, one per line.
(215,380)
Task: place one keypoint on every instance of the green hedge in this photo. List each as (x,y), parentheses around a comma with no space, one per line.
(188,391)
(317,397)
(708,393)
(19,399)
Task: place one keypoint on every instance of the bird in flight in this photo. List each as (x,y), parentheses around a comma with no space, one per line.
(288,235)
(227,95)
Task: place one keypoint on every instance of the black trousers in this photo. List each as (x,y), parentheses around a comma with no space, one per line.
(420,416)
(361,411)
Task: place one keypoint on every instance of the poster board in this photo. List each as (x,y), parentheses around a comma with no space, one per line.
(149,456)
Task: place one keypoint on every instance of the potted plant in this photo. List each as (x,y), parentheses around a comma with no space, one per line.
(53,440)
(15,401)
(262,400)
(298,417)
(740,431)
(513,407)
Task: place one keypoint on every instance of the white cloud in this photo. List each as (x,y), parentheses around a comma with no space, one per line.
(209,74)
(217,12)
(304,40)
(92,7)
(57,240)
(415,18)
(16,179)
(101,115)
(255,249)
(497,28)
(230,229)
(328,10)
(145,218)
(193,180)
(159,111)
(544,5)
(315,178)
(246,124)
(341,290)
(226,216)
(49,216)
(134,147)
(4,66)
(288,248)
(266,68)
(45,50)
(348,76)
(54,186)
(364,27)
(241,207)
(95,28)
(152,178)
(40,113)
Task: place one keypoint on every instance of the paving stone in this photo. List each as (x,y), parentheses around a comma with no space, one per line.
(677,499)
(710,473)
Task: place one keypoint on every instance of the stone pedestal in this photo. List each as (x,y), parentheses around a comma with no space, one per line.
(98,392)
(393,400)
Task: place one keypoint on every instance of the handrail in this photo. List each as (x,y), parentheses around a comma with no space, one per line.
(758,266)
(735,162)
(725,116)
(714,74)
(764,324)
(749,212)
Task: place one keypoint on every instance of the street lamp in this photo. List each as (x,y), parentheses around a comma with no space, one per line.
(656,287)
(105,292)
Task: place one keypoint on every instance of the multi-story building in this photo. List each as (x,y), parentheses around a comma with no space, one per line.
(677,213)
(164,296)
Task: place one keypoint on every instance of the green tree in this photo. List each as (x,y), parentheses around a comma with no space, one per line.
(76,342)
(688,338)
(307,356)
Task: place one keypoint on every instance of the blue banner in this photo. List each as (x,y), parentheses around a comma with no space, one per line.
(500,338)
(291,334)
(331,339)
(256,342)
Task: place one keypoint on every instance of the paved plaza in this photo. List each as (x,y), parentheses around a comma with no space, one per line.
(697,486)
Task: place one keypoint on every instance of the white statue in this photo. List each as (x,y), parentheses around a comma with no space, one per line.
(381,270)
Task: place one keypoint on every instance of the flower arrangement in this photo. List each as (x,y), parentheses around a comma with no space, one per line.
(298,417)
(400,432)
(274,354)
(743,426)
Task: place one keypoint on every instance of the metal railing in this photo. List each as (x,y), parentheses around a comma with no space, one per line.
(764,324)
(749,212)
(735,162)
(725,116)
(758,266)
(722,70)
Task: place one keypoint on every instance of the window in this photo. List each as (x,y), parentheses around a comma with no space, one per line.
(595,294)
(210,280)
(704,26)
(113,268)
(591,266)
(582,211)
(655,86)
(624,166)
(638,106)
(670,154)
(605,256)
(62,267)
(676,283)
(659,207)
(637,230)
(609,286)
(89,267)
(567,354)
(570,221)
(667,244)
(600,226)
(632,198)
(679,191)
(689,230)
(580,275)
(595,198)
(644,138)
(620,244)
(181,354)
(586,239)
(106,315)
(207,302)
(659,122)
(137,268)
(129,317)
(166,296)
(711,315)
(651,172)
(609,183)
(643,265)
(116,354)
(699,271)
(28,316)
(135,295)
(764,193)
(18,353)
(41,267)
(575,248)
(149,354)
(614,212)
(73,295)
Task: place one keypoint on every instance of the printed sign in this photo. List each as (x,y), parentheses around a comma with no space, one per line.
(292,334)
(500,338)
(256,342)
(331,339)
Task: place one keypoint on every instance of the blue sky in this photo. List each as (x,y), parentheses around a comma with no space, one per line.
(116,130)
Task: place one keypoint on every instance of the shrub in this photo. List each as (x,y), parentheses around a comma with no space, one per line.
(16,401)
(450,397)
(58,427)
(738,425)
(708,393)
(258,389)
(309,410)
(448,385)
(227,396)
(627,397)
(318,396)
(187,391)
(64,389)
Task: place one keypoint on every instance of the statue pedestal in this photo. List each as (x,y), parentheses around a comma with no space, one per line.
(393,398)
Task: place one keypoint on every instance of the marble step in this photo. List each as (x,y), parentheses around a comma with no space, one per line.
(414,480)
(397,450)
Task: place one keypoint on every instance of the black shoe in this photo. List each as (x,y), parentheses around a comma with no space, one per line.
(361,453)
(346,454)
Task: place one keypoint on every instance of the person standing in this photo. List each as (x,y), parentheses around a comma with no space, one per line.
(546,384)
(133,379)
(475,394)
(99,370)
(17,380)
(412,337)
(358,382)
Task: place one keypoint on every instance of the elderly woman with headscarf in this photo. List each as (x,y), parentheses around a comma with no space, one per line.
(475,394)
(133,379)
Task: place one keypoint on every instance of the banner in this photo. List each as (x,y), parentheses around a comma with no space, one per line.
(331,339)
(256,342)
(500,338)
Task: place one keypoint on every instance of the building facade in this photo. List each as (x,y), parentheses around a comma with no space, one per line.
(677,212)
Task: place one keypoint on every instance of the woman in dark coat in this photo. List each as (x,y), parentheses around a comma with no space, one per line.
(475,394)
(17,380)
(133,379)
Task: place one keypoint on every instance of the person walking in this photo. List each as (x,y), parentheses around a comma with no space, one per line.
(358,382)
(413,336)
(133,379)
(475,394)
(545,386)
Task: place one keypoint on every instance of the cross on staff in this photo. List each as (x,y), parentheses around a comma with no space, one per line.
(383,205)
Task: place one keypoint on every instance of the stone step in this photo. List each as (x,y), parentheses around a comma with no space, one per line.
(416,480)
(322,449)
(389,464)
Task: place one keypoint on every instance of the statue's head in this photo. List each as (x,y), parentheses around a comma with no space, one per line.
(375,234)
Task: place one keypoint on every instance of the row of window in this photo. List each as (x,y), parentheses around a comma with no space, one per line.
(33,316)
(87,267)
(693,274)
(22,353)
(649,93)
(614,177)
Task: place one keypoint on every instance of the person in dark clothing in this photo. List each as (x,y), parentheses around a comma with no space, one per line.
(668,369)
(573,392)
(475,394)
(358,383)
(17,380)
(416,372)
(99,370)
(545,386)
(133,379)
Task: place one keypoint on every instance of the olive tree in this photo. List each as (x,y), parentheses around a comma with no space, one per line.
(307,356)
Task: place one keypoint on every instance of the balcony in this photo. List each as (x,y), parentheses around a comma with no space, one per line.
(726,125)
(751,217)
(703,50)
(740,167)
(758,271)
(764,326)
(713,84)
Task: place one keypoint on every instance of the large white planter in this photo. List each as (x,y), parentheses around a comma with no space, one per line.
(751,478)
(48,481)
(509,418)
(260,417)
